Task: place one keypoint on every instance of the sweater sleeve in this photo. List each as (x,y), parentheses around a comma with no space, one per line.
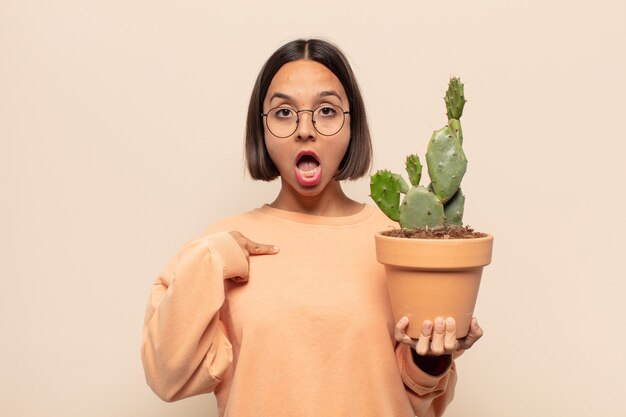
(429,395)
(185,349)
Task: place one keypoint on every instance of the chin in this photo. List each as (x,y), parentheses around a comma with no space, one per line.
(308,190)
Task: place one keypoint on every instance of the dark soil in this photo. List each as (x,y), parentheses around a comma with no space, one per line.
(445,232)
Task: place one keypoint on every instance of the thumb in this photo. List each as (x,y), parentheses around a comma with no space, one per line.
(475,333)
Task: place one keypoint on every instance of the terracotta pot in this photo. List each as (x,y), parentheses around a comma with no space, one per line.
(430,278)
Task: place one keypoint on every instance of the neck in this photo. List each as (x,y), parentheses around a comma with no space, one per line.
(331,202)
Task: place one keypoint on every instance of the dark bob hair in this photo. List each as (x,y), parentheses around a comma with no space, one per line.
(357,160)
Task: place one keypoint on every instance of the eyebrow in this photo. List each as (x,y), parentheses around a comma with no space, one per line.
(325,93)
(278,94)
(331,93)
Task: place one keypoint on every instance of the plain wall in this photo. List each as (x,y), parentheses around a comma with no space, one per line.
(121,129)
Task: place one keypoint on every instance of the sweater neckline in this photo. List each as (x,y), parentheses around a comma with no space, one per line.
(293,216)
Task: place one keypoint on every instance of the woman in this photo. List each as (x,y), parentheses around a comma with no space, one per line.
(305,330)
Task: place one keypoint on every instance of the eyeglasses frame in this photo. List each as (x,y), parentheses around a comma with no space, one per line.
(298,119)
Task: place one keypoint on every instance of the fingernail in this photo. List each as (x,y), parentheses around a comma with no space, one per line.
(275,248)
(427,325)
(450,321)
(439,321)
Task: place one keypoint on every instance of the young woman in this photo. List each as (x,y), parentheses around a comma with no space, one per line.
(304,330)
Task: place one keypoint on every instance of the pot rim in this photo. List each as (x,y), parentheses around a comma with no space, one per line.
(434,253)
(379,235)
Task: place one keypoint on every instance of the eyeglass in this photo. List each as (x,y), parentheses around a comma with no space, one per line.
(283,121)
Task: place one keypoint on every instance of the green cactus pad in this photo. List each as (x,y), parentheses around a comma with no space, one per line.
(404,187)
(454,98)
(421,208)
(446,163)
(385,191)
(414,169)
(453,209)
(455,126)
(442,203)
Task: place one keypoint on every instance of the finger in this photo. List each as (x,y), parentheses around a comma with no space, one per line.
(401,326)
(475,333)
(400,332)
(423,343)
(436,344)
(254,248)
(240,239)
(450,343)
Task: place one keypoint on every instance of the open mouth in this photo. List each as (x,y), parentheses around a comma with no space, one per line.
(308,169)
(307,165)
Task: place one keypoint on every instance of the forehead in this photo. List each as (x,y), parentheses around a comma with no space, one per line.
(304,79)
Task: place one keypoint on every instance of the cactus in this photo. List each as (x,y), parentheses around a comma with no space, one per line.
(442,202)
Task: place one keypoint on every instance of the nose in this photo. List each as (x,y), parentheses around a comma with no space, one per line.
(305,129)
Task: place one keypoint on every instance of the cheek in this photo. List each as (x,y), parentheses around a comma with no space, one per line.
(268,144)
(342,145)
(275,152)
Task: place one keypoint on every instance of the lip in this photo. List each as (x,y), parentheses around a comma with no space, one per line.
(306,152)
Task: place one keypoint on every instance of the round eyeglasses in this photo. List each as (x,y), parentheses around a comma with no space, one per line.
(283,121)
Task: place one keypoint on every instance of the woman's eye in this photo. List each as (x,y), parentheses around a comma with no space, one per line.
(327,111)
(283,113)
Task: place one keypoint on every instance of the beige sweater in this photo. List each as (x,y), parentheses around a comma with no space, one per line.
(305,332)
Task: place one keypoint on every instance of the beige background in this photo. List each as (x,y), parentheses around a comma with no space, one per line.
(121,127)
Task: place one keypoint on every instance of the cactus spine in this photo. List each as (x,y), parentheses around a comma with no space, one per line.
(443,201)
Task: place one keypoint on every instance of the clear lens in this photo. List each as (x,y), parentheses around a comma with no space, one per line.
(282,121)
(327,120)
